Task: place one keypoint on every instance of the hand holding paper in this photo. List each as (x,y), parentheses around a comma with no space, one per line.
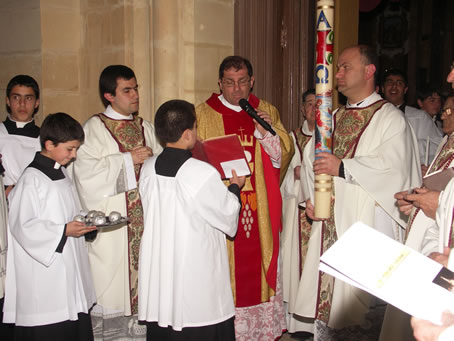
(391,271)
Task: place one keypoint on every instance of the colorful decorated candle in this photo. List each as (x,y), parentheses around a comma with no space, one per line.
(324,76)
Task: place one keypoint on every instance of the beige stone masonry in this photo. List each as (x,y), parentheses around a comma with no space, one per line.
(174,47)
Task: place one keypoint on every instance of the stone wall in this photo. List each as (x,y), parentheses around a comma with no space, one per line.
(20,50)
(174,47)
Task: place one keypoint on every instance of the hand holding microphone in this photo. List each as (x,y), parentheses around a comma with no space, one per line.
(244,104)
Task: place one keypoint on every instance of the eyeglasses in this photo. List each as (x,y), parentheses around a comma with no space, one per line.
(447,111)
(229,83)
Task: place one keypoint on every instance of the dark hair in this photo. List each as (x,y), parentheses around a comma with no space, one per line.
(395,72)
(172,119)
(424,93)
(307,93)
(59,128)
(370,57)
(108,80)
(22,80)
(236,62)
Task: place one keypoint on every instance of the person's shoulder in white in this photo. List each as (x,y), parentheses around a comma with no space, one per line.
(412,112)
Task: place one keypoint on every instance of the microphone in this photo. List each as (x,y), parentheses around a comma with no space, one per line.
(246,106)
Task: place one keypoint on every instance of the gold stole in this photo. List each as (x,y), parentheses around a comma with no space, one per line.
(441,162)
(129,135)
(349,124)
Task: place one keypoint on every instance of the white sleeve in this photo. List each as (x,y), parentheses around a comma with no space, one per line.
(430,242)
(290,186)
(131,182)
(307,173)
(217,205)
(37,236)
(272,146)
(99,170)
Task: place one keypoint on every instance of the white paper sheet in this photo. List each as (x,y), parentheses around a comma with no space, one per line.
(239,165)
(397,274)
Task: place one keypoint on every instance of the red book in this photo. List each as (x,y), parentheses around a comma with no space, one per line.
(224,153)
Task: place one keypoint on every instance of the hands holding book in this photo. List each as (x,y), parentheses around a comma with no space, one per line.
(238,180)
(423,198)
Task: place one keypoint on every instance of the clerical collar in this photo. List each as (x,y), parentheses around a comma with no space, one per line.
(49,167)
(29,129)
(372,98)
(236,108)
(170,160)
(19,124)
(111,113)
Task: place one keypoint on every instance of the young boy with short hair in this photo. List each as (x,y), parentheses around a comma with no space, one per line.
(49,287)
(19,135)
(184,281)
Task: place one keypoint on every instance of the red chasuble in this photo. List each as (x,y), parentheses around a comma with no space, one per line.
(247,244)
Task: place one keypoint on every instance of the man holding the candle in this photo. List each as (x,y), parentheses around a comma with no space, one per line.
(374,155)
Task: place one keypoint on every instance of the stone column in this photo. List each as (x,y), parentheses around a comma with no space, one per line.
(167,50)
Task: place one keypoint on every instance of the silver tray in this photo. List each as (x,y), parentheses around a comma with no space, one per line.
(107,224)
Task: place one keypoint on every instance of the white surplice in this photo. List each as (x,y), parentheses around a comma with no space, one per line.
(3,240)
(437,237)
(44,286)
(421,221)
(386,161)
(184,278)
(17,152)
(102,175)
(292,195)
(396,324)
(427,133)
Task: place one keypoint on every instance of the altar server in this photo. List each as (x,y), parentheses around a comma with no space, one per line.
(19,135)
(184,282)
(49,287)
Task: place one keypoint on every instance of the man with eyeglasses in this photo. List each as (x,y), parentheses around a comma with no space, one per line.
(255,249)
(438,206)
(106,171)
(394,88)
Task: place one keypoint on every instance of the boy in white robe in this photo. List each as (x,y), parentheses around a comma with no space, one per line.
(19,135)
(49,287)
(184,281)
